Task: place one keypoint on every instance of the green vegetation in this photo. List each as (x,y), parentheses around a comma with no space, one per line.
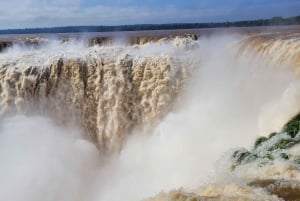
(284,156)
(276,145)
(259,141)
(275,21)
(272,135)
(292,127)
(283,144)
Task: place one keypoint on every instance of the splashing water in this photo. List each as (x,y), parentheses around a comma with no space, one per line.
(196,101)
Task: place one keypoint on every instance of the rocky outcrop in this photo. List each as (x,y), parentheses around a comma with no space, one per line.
(217,192)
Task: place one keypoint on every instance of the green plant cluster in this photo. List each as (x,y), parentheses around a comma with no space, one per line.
(276,145)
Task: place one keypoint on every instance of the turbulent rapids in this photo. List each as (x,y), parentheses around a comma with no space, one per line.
(133,119)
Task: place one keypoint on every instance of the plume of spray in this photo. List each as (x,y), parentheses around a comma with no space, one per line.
(42,161)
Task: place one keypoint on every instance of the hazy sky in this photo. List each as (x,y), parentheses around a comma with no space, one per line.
(47,13)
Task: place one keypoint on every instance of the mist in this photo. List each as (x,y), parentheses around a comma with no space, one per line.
(227,102)
(42,161)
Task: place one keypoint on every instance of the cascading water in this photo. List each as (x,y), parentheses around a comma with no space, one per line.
(161,114)
(108,90)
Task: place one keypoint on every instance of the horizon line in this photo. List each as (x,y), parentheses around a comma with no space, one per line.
(154,24)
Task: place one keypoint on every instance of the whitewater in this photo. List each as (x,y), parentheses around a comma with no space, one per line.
(154,119)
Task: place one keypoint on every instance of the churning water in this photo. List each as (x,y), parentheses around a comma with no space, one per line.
(126,122)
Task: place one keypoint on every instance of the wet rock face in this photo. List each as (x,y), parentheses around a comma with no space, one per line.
(178,195)
(285,189)
(230,191)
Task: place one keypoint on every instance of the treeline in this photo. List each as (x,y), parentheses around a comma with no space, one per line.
(275,21)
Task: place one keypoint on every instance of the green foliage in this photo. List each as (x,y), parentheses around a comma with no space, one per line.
(243,156)
(292,127)
(272,135)
(259,141)
(268,156)
(284,156)
(283,144)
(240,155)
